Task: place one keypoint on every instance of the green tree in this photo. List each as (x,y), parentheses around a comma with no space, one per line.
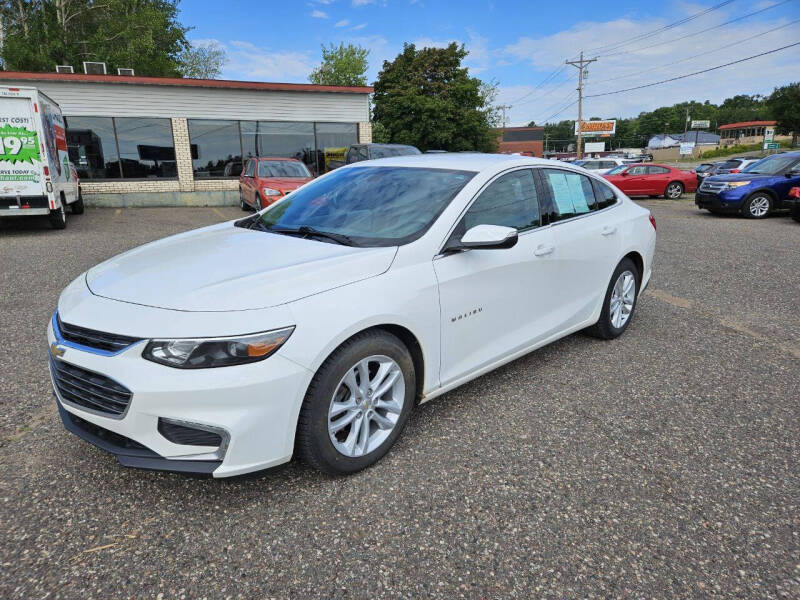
(426,98)
(345,64)
(203,61)
(144,35)
(784,104)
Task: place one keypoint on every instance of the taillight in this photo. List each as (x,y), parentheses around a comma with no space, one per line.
(653,221)
(794,192)
(46,171)
(734,171)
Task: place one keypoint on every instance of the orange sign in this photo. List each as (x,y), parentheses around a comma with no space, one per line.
(597,127)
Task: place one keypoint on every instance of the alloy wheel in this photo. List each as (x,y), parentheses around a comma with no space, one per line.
(366,405)
(759,206)
(622,298)
(674,190)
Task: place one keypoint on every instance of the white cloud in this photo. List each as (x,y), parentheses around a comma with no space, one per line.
(479,58)
(358,27)
(363,2)
(342,23)
(249,62)
(319,14)
(627,68)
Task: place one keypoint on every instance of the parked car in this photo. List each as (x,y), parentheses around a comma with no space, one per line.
(794,203)
(639,158)
(733,165)
(317,325)
(652,180)
(703,170)
(264,181)
(757,191)
(599,165)
(361,152)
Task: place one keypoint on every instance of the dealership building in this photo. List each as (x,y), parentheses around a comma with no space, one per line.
(139,141)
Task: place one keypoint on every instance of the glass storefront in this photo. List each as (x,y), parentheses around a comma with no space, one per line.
(92,147)
(216,148)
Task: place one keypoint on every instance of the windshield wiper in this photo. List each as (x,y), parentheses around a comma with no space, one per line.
(305,230)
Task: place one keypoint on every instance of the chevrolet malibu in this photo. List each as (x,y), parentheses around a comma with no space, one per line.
(376,287)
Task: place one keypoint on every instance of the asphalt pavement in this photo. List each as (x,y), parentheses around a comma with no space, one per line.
(664,464)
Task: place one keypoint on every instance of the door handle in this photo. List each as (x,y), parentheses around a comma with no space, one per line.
(544,249)
(608,230)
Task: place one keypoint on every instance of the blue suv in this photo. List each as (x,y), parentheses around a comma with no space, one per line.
(759,189)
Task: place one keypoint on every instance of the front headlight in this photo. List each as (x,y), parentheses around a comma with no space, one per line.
(732,185)
(216,352)
(271,192)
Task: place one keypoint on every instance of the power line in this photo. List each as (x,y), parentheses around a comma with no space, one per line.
(552,75)
(678,23)
(547,93)
(735,62)
(554,115)
(683,37)
(559,102)
(736,43)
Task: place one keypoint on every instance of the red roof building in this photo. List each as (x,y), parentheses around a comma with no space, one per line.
(744,129)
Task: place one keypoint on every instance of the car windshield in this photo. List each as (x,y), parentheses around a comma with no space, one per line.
(387,151)
(372,206)
(282,168)
(771,165)
(617,170)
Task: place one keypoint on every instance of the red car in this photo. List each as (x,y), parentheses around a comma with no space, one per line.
(264,181)
(652,180)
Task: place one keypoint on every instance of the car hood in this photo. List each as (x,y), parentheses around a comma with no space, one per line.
(283,183)
(228,268)
(738,177)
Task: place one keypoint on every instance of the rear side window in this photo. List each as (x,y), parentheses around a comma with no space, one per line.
(657,170)
(571,194)
(510,201)
(604,194)
(251,169)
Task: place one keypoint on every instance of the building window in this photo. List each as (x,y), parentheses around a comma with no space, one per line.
(146,147)
(333,140)
(216,148)
(92,147)
(284,139)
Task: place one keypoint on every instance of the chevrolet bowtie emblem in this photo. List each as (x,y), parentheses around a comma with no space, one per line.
(56,351)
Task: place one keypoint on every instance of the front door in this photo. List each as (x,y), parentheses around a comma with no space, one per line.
(635,181)
(495,302)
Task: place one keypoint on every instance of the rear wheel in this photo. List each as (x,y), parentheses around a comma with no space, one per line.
(757,206)
(357,404)
(77,207)
(795,212)
(674,190)
(58,217)
(619,302)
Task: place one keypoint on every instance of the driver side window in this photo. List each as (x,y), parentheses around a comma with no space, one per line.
(509,201)
(640,170)
(251,169)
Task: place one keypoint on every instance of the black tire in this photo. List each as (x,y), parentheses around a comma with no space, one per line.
(259,206)
(753,207)
(604,328)
(313,444)
(77,207)
(242,204)
(674,190)
(58,217)
(795,212)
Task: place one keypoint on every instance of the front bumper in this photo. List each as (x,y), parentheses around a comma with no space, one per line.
(718,202)
(256,405)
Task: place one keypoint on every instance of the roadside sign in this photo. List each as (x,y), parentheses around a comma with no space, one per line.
(769,134)
(687,148)
(601,128)
(771,145)
(704,124)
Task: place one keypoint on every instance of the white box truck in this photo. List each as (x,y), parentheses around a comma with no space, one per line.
(36,176)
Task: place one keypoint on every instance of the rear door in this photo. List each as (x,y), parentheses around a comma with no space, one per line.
(657,180)
(21,158)
(587,241)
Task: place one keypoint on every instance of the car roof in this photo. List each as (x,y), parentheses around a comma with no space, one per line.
(260,158)
(460,161)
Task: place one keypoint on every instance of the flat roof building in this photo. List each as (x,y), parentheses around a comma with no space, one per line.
(170,141)
(526,140)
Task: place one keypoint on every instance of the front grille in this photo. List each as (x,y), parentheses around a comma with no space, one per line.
(190,436)
(712,187)
(89,389)
(111,342)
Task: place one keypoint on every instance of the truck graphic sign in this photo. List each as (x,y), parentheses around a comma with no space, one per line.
(18,145)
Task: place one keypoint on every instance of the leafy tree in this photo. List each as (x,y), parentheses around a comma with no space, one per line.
(203,61)
(784,103)
(144,35)
(341,65)
(427,99)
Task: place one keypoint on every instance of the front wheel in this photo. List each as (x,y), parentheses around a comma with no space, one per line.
(795,212)
(242,204)
(58,217)
(357,404)
(674,190)
(619,302)
(757,206)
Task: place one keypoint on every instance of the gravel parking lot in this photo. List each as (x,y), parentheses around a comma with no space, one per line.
(665,464)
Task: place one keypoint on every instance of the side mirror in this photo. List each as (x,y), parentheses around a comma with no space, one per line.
(489,237)
(624,173)
(793,173)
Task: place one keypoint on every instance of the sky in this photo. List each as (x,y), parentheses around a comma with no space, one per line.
(522,46)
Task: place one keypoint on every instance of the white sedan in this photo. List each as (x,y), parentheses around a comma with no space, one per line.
(316,325)
(600,165)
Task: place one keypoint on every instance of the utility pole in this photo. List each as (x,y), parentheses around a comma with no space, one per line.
(580,64)
(686,124)
(504,107)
